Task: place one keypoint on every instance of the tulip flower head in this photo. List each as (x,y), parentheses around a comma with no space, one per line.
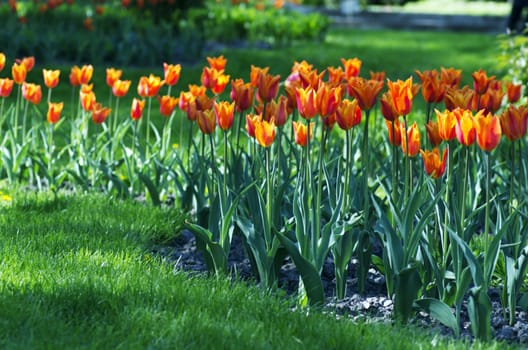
(167,104)
(242,94)
(217,63)
(451,77)
(251,121)
(87,97)
(514,92)
(112,75)
(171,73)
(149,86)
(352,67)
(28,62)
(120,87)
(387,107)
(267,86)
(2,60)
(513,122)
(136,111)
(433,133)
(51,78)
(328,99)
(6,87)
(402,95)
(224,112)
(395,135)
(306,102)
(265,133)
(446,125)
(433,165)
(433,90)
(300,132)
(19,72)
(100,113)
(54,112)
(465,126)
(413,138)
(348,114)
(488,130)
(32,92)
(459,98)
(365,91)
(481,81)
(206,121)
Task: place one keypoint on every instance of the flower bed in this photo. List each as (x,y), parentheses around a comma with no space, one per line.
(304,166)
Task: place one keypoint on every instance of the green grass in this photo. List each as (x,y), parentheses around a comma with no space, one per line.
(451,7)
(76,273)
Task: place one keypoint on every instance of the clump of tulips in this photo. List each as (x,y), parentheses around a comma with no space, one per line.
(445,194)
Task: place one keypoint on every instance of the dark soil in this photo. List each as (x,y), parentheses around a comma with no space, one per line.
(371,306)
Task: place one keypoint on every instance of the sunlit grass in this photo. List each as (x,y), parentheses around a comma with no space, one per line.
(76,273)
(451,7)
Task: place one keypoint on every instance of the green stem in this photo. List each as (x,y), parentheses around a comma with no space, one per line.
(24,122)
(464,185)
(319,191)
(147,145)
(225,165)
(307,190)
(445,244)
(269,208)
(487,218)
(348,151)
(17,107)
(512,175)
(394,163)
(116,116)
(213,167)
(366,170)
(239,126)
(407,162)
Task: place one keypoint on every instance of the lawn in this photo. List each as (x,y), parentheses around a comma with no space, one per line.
(79,274)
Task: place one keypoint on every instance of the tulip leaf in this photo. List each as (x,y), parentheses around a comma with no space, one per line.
(479,310)
(213,250)
(439,311)
(408,284)
(151,188)
(309,274)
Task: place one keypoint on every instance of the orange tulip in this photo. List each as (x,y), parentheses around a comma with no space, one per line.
(206,121)
(51,78)
(310,78)
(2,60)
(352,67)
(451,77)
(327,99)
(255,73)
(281,112)
(365,91)
(224,112)
(112,75)
(32,93)
(387,107)
(265,133)
(214,79)
(335,76)
(446,125)
(268,86)
(251,121)
(120,87)
(100,113)
(434,167)
(488,129)
(513,122)
(197,90)
(481,81)
(171,73)
(54,112)
(217,63)
(88,23)
(306,102)
(242,94)
(149,86)
(167,104)
(397,131)
(329,121)
(300,131)
(29,63)
(87,97)
(413,137)
(491,100)
(379,76)
(433,133)
(465,126)
(459,98)
(136,111)
(19,72)
(402,95)
(6,86)
(79,76)
(348,114)
(513,91)
(433,90)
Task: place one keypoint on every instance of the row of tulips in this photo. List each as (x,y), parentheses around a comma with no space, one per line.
(291,184)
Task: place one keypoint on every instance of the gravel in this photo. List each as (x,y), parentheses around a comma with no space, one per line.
(371,306)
